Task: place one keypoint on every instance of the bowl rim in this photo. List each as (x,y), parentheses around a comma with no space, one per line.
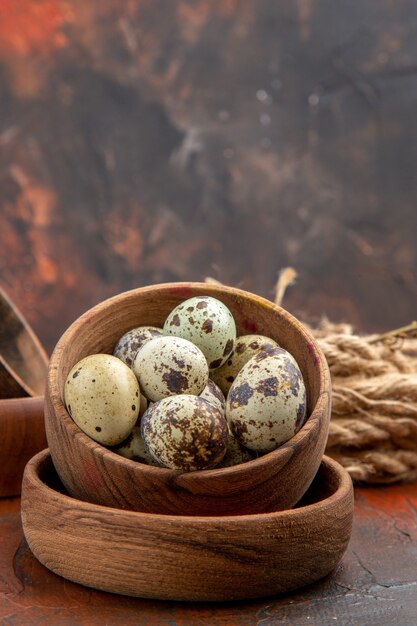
(344,487)
(52,388)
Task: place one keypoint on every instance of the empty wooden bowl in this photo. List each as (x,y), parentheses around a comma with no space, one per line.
(93,473)
(23,361)
(187,558)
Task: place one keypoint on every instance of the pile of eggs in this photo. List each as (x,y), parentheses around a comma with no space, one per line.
(190,395)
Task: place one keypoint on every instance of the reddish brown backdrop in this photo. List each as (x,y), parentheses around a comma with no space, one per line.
(147,141)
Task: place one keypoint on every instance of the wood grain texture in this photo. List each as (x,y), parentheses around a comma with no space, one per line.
(144,142)
(187,558)
(22,434)
(272,482)
(23,361)
(375,583)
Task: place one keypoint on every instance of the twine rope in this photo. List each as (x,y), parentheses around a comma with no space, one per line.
(373,427)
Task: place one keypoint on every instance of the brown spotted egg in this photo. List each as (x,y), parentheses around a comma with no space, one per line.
(167,366)
(134,448)
(213,394)
(133,340)
(246,346)
(206,322)
(236,453)
(266,404)
(143,405)
(102,396)
(185,433)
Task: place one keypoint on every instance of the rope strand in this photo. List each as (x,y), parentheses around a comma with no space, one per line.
(373,429)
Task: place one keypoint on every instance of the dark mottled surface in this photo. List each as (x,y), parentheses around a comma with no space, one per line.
(175,321)
(180,362)
(290,372)
(170,365)
(185,433)
(130,343)
(228,347)
(267,401)
(246,346)
(268,351)
(213,394)
(240,347)
(239,395)
(208,324)
(268,387)
(301,416)
(239,428)
(175,381)
(151,141)
(214,364)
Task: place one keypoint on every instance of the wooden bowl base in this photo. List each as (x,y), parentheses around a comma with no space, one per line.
(187,558)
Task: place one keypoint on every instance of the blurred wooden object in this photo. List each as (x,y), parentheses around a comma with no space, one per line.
(22,434)
(23,361)
(23,367)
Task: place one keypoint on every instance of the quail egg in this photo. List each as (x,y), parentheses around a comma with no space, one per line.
(185,432)
(206,322)
(266,404)
(134,448)
(213,394)
(102,396)
(133,340)
(143,405)
(167,366)
(246,346)
(236,453)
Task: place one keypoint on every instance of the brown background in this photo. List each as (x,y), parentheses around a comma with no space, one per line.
(144,141)
(148,141)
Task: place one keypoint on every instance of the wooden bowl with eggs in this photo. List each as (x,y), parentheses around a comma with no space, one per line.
(272,482)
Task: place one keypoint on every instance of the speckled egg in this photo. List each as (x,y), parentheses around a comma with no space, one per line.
(133,340)
(213,394)
(143,405)
(246,346)
(185,433)
(206,322)
(236,453)
(167,366)
(102,397)
(266,404)
(134,448)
